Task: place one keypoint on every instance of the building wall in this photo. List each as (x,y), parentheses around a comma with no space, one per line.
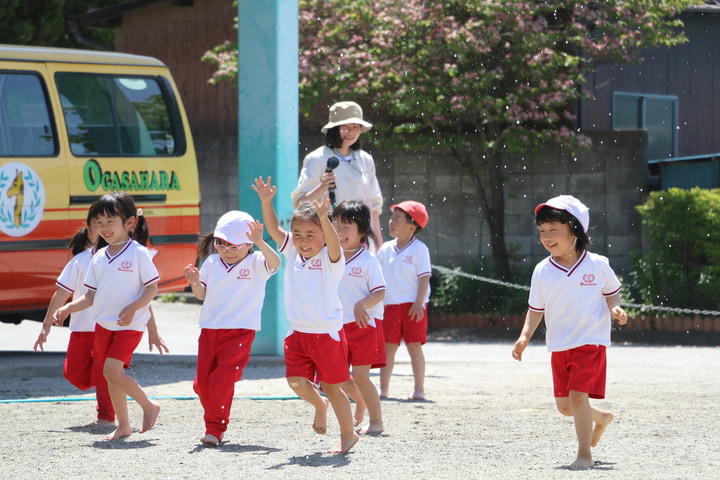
(690,71)
(180,36)
(610,179)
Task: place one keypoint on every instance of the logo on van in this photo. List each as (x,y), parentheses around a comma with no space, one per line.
(128,181)
(22,199)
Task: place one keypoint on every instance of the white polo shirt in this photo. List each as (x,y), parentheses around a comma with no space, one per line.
(72,280)
(312,304)
(118,281)
(363,276)
(234,293)
(402,269)
(574,301)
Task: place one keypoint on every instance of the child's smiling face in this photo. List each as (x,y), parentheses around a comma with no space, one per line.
(307,237)
(557,238)
(348,235)
(113,229)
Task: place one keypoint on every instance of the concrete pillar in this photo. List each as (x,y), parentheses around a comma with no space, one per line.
(268,130)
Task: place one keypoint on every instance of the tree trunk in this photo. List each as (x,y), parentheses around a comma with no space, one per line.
(486,168)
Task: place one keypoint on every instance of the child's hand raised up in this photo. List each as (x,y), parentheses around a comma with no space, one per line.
(255,235)
(323,209)
(264,189)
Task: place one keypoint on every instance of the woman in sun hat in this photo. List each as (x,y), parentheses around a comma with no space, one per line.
(354,176)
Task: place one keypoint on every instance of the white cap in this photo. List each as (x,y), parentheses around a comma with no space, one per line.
(571,205)
(233,227)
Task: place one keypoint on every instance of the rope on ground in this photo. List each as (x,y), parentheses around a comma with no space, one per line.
(689,311)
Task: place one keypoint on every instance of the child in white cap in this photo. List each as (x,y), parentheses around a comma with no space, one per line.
(232,284)
(578,294)
(406,266)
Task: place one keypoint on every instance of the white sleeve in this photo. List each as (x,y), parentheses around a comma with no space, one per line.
(310,174)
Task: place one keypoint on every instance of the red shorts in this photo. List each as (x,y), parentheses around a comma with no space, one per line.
(309,353)
(366,346)
(117,344)
(582,369)
(398,326)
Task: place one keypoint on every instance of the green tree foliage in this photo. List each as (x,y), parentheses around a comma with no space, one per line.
(485,79)
(44,22)
(680,266)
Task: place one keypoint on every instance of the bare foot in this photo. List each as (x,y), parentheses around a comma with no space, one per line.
(417,395)
(210,440)
(120,432)
(150,417)
(600,428)
(320,420)
(345,444)
(384,395)
(359,415)
(100,423)
(582,463)
(372,429)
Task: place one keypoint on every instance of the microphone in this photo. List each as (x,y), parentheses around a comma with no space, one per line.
(332,164)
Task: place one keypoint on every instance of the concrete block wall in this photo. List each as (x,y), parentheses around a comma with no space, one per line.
(610,178)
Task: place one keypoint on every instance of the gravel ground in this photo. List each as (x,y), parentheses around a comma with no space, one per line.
(487,417)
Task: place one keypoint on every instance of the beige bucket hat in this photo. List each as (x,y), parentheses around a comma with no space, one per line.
(342,113)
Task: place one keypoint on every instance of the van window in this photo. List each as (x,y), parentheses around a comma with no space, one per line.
(25,127)
(112,115)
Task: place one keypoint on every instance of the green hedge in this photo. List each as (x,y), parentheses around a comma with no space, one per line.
(679,265)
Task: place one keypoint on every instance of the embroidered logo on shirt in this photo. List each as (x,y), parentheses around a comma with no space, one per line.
(243,274)
(356,272)
(409,259)
(588,279)
(125,266)
(316,264)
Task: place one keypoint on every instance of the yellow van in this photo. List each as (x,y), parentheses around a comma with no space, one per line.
(75,125)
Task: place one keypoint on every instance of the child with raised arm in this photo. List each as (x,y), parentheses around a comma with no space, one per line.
(232,284)
(121,282)
(362,290)
(578,293)
(316,343)
(406,266)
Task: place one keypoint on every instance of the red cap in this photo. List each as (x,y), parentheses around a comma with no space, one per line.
(416,210)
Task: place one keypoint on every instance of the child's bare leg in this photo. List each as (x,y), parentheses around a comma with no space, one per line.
(351,390)
(305,390)
(116,377)
(386,371)
(119,401)
(417,361)
(602,419)
(361,375)
(343,413)
(577,405)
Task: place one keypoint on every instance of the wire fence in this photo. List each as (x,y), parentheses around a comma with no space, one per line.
(644,308)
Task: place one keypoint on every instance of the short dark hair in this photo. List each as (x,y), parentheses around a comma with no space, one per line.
(334,140)
(353,211)
(549,214)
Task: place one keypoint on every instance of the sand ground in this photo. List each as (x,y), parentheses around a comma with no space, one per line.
(486,417)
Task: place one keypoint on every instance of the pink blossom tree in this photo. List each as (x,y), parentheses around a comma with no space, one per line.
(485,79)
